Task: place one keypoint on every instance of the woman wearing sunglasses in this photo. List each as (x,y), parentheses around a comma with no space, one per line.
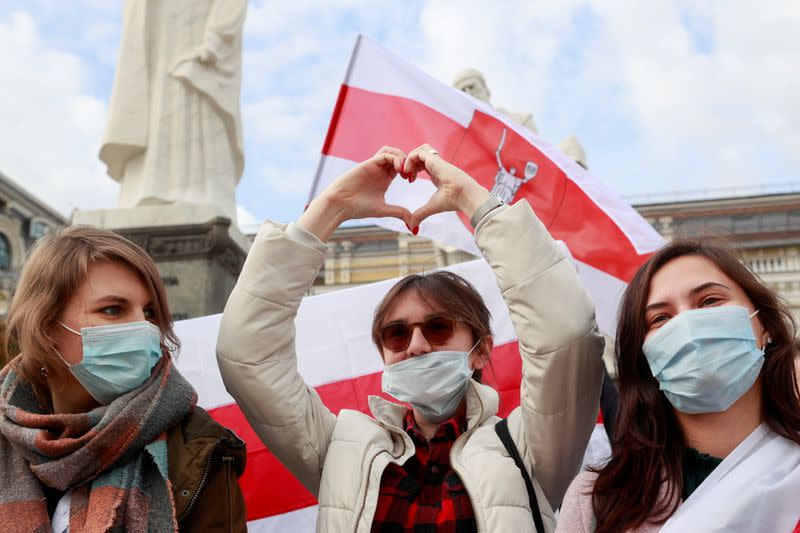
(437,465)
(98,430)
(708,431)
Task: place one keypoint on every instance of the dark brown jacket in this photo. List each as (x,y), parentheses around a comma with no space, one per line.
(205,462)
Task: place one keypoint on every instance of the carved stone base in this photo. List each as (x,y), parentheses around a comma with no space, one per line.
(198,253)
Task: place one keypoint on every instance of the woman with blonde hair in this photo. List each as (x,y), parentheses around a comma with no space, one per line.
(708,430)
(98,430)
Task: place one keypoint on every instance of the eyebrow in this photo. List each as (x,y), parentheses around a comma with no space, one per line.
(403,321)
(696,290)
(113,298)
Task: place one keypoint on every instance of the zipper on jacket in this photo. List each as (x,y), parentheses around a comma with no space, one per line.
(203,481)
(395,457)
(464,438)
(227,460)
(366,493)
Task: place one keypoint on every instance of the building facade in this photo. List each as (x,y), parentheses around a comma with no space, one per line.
(364,254)
(23,219)
(765,229)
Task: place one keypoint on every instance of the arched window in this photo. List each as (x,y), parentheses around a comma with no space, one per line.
(5,253)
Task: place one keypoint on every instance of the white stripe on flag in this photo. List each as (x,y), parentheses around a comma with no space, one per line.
(298,521)
(333,335)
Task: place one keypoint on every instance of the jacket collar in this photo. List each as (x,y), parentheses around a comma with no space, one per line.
(482,404)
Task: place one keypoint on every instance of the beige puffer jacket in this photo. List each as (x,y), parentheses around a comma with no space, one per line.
(341,459)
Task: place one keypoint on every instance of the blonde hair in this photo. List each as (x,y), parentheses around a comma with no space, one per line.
(57,267)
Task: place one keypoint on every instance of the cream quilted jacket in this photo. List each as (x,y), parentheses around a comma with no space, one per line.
(341,459)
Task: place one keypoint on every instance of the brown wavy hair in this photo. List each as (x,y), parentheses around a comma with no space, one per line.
(648,446)
(57,267)
(440,290)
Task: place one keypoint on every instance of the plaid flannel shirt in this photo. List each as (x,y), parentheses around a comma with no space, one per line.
(425,494)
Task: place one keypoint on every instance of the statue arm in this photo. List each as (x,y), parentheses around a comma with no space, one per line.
(223,27)
(500,148)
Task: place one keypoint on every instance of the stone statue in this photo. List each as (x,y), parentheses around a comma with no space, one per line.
(174,132)
(572,147)
(472,82)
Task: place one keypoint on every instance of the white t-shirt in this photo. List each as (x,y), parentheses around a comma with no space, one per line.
(60,520)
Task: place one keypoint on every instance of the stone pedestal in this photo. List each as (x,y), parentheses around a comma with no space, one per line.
(199,253)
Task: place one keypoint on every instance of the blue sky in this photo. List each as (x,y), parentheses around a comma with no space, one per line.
(667,97)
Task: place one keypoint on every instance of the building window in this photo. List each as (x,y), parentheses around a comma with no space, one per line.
(5,253)
(39,228)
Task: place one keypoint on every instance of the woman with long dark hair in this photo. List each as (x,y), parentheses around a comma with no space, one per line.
(708,434)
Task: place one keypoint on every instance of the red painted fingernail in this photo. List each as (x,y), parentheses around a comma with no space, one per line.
(409,227)
(415,230)
(411,179)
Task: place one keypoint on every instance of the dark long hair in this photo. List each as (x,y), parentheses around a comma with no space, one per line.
(648,446)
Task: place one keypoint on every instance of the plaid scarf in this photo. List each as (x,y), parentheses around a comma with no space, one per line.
(114,458)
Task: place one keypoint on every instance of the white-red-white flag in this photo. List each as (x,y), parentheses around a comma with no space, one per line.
(386,101)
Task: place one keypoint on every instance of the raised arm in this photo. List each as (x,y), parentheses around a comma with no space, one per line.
(559,342)
(256,344)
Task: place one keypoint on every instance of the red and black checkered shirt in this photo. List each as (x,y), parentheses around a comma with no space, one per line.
(425,495)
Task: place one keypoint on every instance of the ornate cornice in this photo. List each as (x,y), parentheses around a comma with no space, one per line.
(210,240)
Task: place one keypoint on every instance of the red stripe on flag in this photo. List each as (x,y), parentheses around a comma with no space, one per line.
(337,110)
(269,489)
(365,121)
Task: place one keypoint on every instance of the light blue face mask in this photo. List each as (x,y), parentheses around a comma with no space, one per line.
(434,383)
(117,358)
(705,359)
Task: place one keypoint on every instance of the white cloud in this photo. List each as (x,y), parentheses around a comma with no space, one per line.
(52,122)
(247,221)
(706,117)
(514,44)
(664,95)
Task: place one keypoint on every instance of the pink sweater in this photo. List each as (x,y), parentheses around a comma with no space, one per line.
(576,514)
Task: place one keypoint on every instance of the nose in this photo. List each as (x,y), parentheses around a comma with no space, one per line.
(419,345)
(139,315)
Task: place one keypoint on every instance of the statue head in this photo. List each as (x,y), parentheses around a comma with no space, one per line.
(572,147)
(472,82)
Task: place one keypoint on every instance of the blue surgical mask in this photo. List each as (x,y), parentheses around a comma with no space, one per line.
(434,383)
(117,358)
(705,359)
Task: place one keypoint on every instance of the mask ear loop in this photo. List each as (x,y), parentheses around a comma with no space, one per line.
(59,353)
(769,339)
(474,346)
(78,333)
(471,349)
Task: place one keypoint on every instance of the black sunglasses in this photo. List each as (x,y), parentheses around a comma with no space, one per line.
(396,336)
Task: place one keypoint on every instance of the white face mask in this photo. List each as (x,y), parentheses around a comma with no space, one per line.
(117,358)
(434,383)
(705,359)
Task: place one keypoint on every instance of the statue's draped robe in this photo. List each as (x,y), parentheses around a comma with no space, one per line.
(174,129)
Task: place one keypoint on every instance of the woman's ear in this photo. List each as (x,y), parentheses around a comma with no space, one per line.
(763,338)
(480,355)
(766,339)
